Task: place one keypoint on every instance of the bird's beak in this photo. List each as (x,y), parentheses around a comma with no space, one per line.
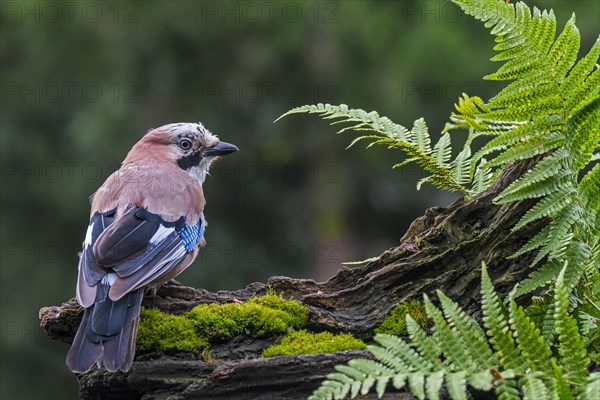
(220,149)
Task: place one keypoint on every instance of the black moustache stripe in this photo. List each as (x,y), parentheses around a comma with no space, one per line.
(190,161)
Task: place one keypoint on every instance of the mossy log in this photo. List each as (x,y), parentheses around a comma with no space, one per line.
(441,250)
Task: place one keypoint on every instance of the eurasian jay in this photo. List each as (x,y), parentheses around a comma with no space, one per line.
(146,225)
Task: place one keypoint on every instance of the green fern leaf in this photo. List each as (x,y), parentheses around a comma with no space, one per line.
(392,347)
(482,380)
(581,258)
(442,150)
(496,323)
(592,387)
(561,181)
(571,346)
(520,133)
(483,178)
(548,326)
(546,168)
(581,70)
(399,381)
(425,345)
(561,386)
(416,143)
(559,235)
(453,348)
(548,206)
(461,166)
(524,150)
(434,385)
(585,133)
(416,384)
(565,49)
(589,188)
(456,383)
(538,278)
(530,342)
(420,135)
(469,332)
(381,385)
(533,388)
(507,389)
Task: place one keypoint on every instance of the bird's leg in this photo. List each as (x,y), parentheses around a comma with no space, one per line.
(151,292)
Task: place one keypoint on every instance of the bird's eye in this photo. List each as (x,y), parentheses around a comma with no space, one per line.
(185,144)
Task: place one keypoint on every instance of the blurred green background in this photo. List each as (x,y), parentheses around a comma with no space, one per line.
(83,81)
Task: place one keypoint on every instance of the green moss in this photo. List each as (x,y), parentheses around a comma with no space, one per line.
(271,314)
(395,323)
(216,321)
(303,342)
(165,332)
(267,315)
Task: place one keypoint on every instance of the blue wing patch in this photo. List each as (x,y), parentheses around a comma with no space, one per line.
(192,235)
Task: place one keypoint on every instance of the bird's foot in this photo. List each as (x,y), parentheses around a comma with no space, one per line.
(151,292)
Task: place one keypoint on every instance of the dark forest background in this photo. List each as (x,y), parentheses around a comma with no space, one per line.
(83,81)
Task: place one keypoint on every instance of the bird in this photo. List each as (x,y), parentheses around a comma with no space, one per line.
(146,226)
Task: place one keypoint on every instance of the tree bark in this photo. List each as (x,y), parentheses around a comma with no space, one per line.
(442,250)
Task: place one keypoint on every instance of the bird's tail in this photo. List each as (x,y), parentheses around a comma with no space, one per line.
(106,336)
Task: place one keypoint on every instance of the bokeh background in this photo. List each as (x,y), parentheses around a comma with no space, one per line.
(83,81)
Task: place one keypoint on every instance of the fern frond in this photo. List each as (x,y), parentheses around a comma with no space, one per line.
(589,188)
(521,361)
(434,385)
(508,388)
(533,388)
(520,133)
(550,205)
(559,235)
(420,135)
(394,347)
(442,150)
(538,278)
(453,349)
(581,258)
(460,166)
(496,323)
(581,71)
(425,345)
(469,110)
(536,145)
(530,342)
(548,326)
(571,346)
(415,143)
(546,168)
(483,178)
(585,132)
(456,384)
(592,387)
(561,181)
(561,386)
(469,332)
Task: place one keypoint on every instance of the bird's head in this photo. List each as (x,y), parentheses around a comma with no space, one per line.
(189,145)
